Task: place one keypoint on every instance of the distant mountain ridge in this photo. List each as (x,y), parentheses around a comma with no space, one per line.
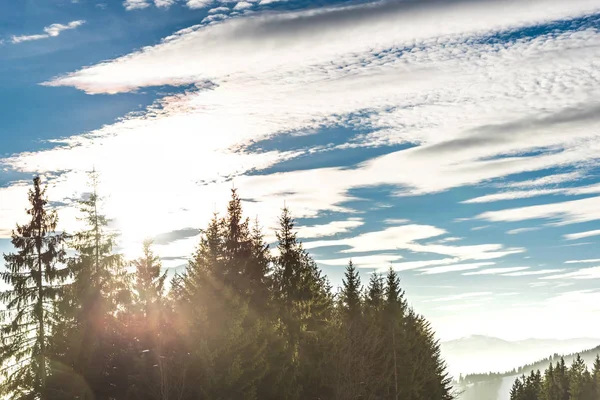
(496,385)
(481,354)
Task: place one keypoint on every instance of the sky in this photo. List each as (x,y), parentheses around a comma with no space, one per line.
(457,141)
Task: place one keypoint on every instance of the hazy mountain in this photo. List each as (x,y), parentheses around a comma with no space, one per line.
(478,353)
(496,386)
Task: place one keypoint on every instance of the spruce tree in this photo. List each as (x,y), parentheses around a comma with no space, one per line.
(227,334)
(350,295)
(300,289)
(89,329)
(576,379)
(145,320)
(35,277)
(550,387)
(516,391)
(395,313)
(562,379)
(375,295)
(596,378)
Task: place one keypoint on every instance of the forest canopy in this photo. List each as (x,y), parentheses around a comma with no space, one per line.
(241,322)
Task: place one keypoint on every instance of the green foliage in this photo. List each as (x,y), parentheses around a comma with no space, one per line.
(559,382)
(238,323)
(35,275)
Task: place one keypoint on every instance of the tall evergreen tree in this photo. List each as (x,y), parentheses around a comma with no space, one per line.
(516,391)
(577,379)
(89,329)
(562,379)
(227,334)
(149,284)
(35,277)
(596,378)
(395,313)
(145,320)
(550,387)
(350,295)
(300,289)
(375,295)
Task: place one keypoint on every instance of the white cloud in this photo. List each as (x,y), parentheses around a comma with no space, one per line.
(592,260)
(141,4)
(462,296)
(450,239)
(378,260)
(584,273)
(406,237)
(218,10)
(329,229)
(581,235)
(563,213)
(56,29)
(213,18)
(536,272)
(392,238)
(522,230)
(396,221)
(164,3)
(523,194)
(50,31)
(291,35)
(136,4)
(455,268)
(545,180)
(242,5)
(194,4)
(496,271)
(511,195)
(302,71)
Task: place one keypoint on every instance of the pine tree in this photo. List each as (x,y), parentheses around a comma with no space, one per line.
(577,381)
(35,277)
(301,290)
(516,392)
(148,284)
(227,334)
(395,313)
(375,295)
(550,387)
(596,379)
(350,295)
(562,379)
(89,327)
(145,320)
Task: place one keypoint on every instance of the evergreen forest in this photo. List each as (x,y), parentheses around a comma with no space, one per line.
(245,320)
(560,382)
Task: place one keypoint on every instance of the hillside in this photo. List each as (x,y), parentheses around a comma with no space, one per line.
(496,386)
(479,353)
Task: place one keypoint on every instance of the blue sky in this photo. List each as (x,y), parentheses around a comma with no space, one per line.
(455,140)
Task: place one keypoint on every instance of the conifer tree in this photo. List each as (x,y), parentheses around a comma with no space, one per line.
(35,277)
(89,328)
(596,378)
(301,290)
(375,295)
(149,284)
(562,379)
(351,295)
(550,387)
(577,379)
(516,392)
(145,321)
(395,313)
(228,336)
